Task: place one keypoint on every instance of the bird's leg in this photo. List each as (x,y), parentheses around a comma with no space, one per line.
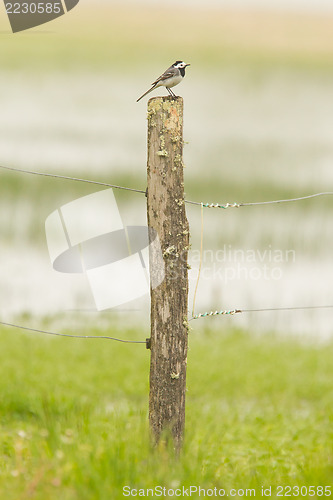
(171,92)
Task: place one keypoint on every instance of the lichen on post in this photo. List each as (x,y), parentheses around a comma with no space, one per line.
(169,301)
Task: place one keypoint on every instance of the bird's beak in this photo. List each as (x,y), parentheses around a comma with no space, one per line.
(187,65)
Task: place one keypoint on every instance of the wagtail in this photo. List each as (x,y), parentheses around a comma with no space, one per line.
(171,77)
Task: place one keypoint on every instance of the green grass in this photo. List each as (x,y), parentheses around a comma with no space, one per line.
(73,413)
(73,416)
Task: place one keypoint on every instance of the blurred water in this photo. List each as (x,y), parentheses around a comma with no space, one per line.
(30,286)
(279,130)
(91,123)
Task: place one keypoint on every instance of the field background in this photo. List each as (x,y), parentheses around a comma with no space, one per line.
(258,121)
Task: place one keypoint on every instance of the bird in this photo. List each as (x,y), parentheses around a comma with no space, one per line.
(171,77)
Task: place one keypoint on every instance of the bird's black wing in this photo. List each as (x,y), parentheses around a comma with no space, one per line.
(169,73)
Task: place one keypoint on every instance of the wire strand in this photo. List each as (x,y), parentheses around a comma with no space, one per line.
(287,308)
(56,176)
(243,204)
(198,203)
(232,312)
(200,263)
(325,193)
(11,325)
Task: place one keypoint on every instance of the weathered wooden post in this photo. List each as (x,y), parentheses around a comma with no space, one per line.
(169,301)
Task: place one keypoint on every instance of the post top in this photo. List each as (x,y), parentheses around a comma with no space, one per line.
(166,98)
(165,103)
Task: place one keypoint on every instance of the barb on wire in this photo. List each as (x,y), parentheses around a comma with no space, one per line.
(213,205)
(11,325)
(216,313)
(237,205)
(235,311)
(217,205)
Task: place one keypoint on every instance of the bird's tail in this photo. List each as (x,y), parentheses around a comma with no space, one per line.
(146,93)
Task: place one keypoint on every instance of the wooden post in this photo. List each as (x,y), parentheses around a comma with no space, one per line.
(169,301)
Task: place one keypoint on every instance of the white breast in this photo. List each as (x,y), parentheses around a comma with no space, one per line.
(171,82)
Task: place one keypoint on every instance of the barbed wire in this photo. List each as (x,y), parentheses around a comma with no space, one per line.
(66,177)
(232,312)
(45,332)
(225,312)
(237,205)
(203,205)
(198,203)
(250,204)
